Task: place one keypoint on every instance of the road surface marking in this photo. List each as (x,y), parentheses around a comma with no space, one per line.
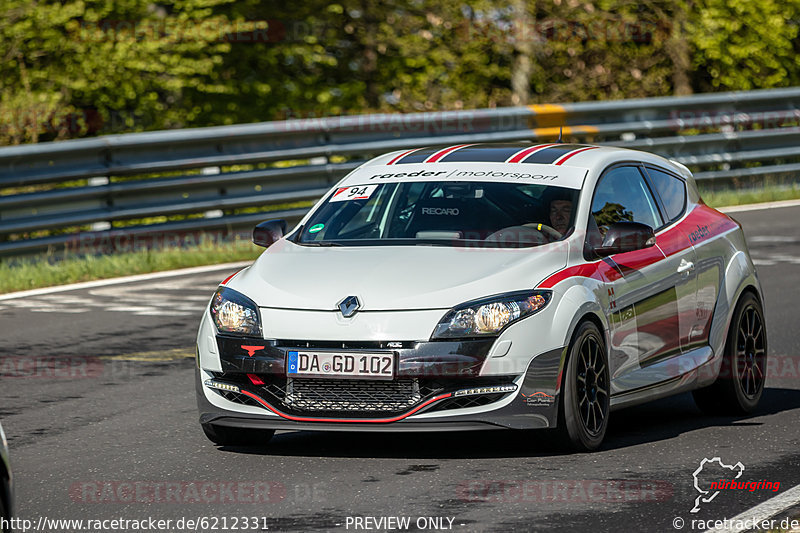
(764,510)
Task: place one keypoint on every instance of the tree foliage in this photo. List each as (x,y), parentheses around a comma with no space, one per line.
(73,68)
(743,45)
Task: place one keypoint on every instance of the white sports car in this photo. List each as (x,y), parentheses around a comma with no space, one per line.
(486,286)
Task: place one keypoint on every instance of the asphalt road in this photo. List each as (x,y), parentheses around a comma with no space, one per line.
(97,399)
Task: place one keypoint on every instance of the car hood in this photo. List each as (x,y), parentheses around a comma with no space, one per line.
(385,278)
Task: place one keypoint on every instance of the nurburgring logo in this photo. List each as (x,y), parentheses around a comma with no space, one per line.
(726,480)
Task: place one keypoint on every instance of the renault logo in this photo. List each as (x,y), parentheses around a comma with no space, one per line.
(349,306)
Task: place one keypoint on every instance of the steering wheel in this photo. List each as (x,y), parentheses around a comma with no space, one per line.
(514,236)
(551,233)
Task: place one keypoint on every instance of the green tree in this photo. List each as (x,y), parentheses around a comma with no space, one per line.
(83,67)
(744,44)
(128,64)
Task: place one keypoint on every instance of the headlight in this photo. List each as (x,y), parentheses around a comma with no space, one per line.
(489,316)
(235,313)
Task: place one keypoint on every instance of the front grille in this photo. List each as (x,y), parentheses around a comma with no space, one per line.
(351,395)
(358,398)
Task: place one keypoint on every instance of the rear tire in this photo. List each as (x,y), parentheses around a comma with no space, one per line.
(230,436)
(742,375)
(585,392)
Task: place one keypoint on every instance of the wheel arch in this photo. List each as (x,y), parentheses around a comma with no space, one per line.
(578,303)
(740,277)
(588,316)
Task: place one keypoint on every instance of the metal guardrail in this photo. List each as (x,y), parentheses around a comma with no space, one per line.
(61,187)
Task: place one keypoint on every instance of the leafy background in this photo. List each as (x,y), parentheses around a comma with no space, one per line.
(76,68)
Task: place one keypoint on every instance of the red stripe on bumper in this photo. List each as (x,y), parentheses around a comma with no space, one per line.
(345,420)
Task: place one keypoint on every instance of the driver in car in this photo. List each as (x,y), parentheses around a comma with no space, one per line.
(560,214)
(559,217)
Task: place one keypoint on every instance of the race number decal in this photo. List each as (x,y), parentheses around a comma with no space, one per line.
(359,192)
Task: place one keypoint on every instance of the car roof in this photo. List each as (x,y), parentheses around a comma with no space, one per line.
(587,156)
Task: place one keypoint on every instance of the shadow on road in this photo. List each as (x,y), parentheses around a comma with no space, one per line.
(671,417)
(652,422)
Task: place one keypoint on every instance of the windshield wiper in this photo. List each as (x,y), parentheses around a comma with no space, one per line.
(434,243)
(320,243)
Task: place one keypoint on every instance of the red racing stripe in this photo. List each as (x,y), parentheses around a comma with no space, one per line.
(393,161)
(574,152)
(638,259)
(522,154)
(345,420)
(226,280)
(700,224)
(599,270)
(441,153)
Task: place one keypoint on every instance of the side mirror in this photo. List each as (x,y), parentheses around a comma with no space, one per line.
(626,237)
(269,232)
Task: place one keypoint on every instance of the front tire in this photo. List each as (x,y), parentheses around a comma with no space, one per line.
(742,376)
(230,436)
(585,392)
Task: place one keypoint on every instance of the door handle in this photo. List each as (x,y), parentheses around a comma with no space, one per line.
(685,266)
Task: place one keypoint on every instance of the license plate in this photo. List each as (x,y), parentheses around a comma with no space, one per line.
(340,365)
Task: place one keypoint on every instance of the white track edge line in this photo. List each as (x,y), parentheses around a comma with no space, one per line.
(763,511)
(756,207)
(125,279)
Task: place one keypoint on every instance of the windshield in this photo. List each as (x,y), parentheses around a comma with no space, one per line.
(488,214)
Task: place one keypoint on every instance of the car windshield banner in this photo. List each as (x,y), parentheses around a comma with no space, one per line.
(559,176)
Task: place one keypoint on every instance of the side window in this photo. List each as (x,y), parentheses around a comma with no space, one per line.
(623,195)
(672,191)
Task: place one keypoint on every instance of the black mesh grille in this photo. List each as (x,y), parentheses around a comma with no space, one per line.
(351,395)
(463,402)
(237,397)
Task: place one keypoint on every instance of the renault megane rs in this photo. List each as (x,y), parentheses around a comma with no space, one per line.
(481,287)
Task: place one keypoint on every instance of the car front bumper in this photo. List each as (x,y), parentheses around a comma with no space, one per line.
(438,386)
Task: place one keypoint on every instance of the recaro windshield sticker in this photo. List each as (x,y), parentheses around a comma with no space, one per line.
(561,176)
(358,192)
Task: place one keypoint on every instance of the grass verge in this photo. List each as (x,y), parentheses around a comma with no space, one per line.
(55,269)
(729,197)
